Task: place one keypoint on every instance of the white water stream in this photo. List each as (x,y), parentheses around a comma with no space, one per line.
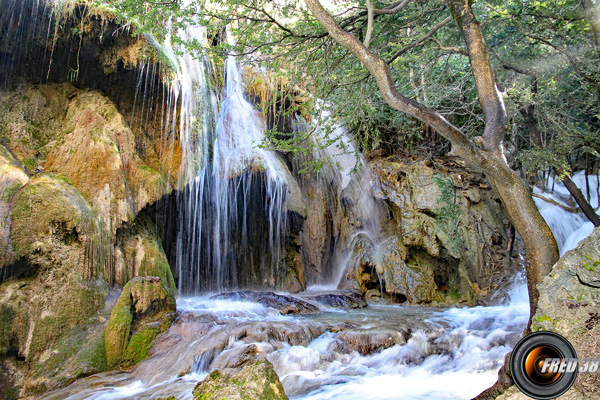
(568,228)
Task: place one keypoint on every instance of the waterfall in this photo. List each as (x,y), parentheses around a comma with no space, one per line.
(232,214)
(345,184)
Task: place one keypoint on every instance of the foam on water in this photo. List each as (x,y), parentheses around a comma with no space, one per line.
(228,308)
(459,364)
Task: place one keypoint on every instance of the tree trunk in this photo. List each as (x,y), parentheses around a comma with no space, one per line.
(585,206)
(540,245)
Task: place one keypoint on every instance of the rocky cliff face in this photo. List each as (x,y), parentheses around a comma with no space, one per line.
(74,178)
(450,240)
(74,174)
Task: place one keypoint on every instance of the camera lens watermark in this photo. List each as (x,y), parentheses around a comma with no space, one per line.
(544,365)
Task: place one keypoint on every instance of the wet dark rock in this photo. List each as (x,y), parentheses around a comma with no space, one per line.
(367,341)
(285,304)
(341,300)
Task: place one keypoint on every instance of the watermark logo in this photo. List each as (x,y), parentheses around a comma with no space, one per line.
(544,365)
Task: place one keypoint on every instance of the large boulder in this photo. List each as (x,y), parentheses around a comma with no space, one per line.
(451,231)
(144,310)
(254,381)
(569,304)
(391,267)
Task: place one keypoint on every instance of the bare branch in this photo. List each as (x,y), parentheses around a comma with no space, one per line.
(370,9)
(456,50)
(554,202)
(393,9)
(420,41)
(512,67)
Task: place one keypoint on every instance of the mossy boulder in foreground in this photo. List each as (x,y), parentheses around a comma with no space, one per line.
(255,381)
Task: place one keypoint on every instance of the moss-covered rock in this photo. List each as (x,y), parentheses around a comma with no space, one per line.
(452,225)
(144,310)
(81,136)
(47,214)
(390,266)
(12,179)
(98,156)
(79,353)
(118,329)
(71,172)
(142,254)
(255,381)
(569,304)
(406,276)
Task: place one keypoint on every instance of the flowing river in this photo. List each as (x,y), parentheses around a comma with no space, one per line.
(448,354)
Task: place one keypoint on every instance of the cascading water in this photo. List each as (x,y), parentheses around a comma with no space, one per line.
(346,187)
(232,211)
(458,350)
(568,228)
(232,223)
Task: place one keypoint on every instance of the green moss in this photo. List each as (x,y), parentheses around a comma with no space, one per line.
(148,169)
(542,318)
(30,163)
(91,359)
(7,315)
(47,331)
(11,190)
(140,342)
(155,261)
(42,204)
(116,334)
(61,178)
(265,384)
(125,348)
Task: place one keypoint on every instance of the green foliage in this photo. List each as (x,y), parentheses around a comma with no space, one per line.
(448,214)
(591,265)
(548,60)
(116,335)
(543,52)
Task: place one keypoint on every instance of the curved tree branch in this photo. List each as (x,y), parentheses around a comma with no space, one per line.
(383,76)
(540,245)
